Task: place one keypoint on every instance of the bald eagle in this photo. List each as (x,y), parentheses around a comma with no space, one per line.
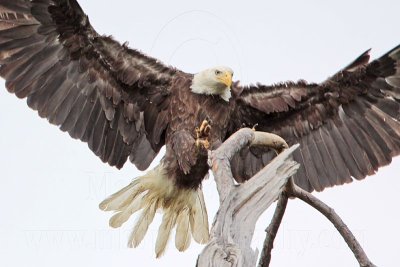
(124,104)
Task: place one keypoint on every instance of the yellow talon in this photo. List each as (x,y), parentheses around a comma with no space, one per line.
(197,133)
(202,143)
(202,134)
(205,127)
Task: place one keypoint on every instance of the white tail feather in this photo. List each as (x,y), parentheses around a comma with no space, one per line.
(183,235)
(142,225)
(122,216)
(183,208)
(118,199)
(164,232)
(199,219)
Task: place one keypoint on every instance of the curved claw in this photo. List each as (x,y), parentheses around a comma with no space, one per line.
(202,134)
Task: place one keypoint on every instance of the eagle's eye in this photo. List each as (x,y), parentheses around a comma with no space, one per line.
(217,72)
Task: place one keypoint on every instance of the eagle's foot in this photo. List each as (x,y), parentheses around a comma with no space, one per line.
(204,130)
(200,143)
(202,134)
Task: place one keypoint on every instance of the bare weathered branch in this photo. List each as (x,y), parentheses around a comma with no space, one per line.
(272,230)
(219,160)
(242,205)
(332,216)
(292,190)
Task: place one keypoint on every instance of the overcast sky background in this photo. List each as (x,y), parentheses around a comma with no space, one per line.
(50,184)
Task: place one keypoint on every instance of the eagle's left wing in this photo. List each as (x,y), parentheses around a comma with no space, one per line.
(347,126)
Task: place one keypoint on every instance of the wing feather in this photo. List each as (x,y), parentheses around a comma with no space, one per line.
(298,177)
(317,162)
(99,91)
(347,126)
(329,165)
(84,125)
(310,167)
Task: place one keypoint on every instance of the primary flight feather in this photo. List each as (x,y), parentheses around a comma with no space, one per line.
(126,105)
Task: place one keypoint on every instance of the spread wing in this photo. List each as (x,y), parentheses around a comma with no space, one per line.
(347,126)
(97,90)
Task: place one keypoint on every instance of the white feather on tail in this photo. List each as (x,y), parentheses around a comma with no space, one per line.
(168,222)
(183,208)
(183,235)
(122,216)
(142,225)
(198,217)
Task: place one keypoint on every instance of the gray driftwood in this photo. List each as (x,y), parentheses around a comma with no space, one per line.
(242,205)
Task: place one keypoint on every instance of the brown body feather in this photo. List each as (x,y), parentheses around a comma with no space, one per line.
(183,160)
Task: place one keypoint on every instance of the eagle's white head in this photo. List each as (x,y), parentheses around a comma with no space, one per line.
(214,81)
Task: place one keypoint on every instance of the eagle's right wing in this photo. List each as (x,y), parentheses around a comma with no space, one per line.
(97,90)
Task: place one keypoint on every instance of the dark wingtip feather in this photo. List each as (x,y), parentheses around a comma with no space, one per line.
(361,61)
(395,53)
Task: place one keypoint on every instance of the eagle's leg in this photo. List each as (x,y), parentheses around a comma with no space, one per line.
(202,134)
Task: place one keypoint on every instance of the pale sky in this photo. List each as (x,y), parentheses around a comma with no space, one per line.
(50,184)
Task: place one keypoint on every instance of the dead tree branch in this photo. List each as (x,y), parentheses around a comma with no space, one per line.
(331,215)
(292,190)
(272,230)
(241,205)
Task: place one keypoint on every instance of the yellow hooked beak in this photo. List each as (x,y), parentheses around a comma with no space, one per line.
(226,78)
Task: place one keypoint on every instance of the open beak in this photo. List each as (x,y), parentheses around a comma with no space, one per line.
(226,79)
